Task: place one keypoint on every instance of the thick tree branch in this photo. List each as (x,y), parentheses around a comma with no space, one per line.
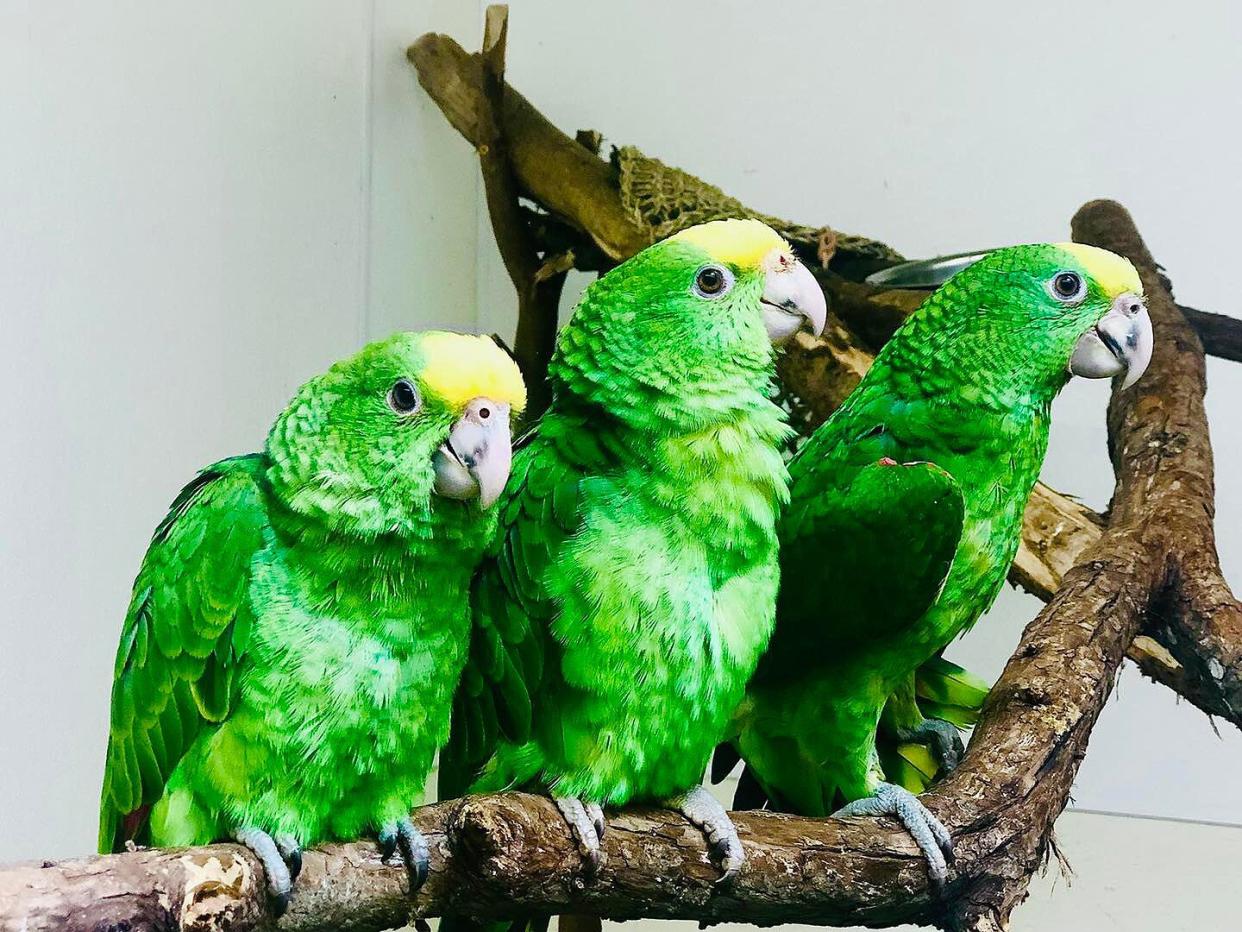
(1197,620)
(495,856)
(552,168)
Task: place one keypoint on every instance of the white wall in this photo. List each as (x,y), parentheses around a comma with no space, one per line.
(201,205)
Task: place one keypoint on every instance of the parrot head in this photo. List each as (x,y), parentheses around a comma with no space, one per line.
(375,442)
(1057,310)
(729,264)
(686,316)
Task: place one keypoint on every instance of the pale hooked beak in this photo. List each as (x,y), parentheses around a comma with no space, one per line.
(791,299)
(1120,342)
(474,462)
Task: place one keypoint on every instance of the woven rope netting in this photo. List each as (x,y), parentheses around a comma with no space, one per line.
(664,199)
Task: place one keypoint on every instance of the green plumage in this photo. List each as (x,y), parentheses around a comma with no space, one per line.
(632,587)
(905,515)
(939,689)
(298,624)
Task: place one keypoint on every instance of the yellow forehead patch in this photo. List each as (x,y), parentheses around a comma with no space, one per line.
(742,243)
(1114,273)
(459,367)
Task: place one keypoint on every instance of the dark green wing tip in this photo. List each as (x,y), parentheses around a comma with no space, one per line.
(929,500)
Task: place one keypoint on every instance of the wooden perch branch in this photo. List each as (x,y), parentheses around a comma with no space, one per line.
(1197,617)
(493,857)
(537,149)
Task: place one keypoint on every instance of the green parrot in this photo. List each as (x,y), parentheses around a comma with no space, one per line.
(905,514)
(299,623)
(632,588)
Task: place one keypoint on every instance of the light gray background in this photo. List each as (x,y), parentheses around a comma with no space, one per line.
(201,205)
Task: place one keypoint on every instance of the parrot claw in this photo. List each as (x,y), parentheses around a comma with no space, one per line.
(586,823)
(942,738)
(272,857)
(596,813)
(928,832)
(704,811)
(291,854)
(402,835)
(387,840)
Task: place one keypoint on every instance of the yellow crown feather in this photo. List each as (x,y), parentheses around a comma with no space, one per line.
(742,243)
(459,367)
(1114,273)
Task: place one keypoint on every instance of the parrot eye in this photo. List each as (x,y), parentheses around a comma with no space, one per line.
(403,397)
(1068,287)
(712,281)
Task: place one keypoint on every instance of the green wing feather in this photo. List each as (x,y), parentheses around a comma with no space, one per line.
(878,543)
(870,543)
(513,659)
(185,634)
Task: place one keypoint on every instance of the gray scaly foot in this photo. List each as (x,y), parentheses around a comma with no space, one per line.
(928,832)
(279,880)
(291,853)
(586,824)
(942,738)
(596,814)
(704,812)
(402,835)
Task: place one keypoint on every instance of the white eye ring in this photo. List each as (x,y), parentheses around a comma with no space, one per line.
(1067,287)
(403,398)
(712,282)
